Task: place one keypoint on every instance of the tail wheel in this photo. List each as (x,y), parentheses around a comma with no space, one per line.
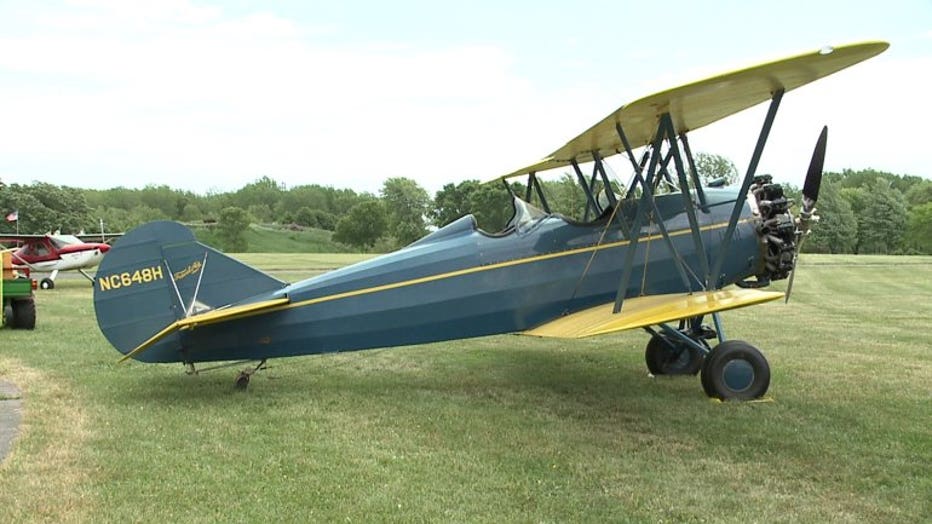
(735,370)
(665,356)
(24,313)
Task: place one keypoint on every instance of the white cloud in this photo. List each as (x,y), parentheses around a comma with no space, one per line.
(184,94)
(121,93)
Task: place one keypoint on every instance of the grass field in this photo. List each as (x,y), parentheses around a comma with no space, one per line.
(504,428)
(272,239)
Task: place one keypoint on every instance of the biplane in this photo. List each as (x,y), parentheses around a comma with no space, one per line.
(52,253)
(664,254)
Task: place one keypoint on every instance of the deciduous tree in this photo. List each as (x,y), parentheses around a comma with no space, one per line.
(452,202)
(837,230)
(712,167)
(363,225)
(918,238)
(231,229)
(406,204)
(882,220)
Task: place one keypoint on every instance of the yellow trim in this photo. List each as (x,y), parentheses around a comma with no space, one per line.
(219,315)
(167,330)
(650,311)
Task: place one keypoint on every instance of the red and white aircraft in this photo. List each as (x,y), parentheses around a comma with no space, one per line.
(52,253)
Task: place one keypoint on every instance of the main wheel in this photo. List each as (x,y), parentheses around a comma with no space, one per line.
(735,370)
(24,313)
(47,283)
(671,357)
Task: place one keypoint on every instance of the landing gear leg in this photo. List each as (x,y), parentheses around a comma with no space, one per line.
(667,356)
(678,351)
(88,277)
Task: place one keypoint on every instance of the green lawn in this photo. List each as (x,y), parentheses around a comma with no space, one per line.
(504,428)
(274,239)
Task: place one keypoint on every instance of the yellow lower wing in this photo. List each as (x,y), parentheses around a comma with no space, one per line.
(650,310)
(210,317)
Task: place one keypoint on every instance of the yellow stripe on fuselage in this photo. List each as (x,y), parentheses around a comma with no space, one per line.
(190,323)
(490,267)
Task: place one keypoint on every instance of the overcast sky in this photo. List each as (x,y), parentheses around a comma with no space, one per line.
(211,95)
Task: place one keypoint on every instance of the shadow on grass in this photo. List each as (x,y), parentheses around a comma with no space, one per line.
(571,382)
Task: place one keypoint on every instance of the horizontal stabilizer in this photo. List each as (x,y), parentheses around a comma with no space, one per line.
(649,311)
(210,317)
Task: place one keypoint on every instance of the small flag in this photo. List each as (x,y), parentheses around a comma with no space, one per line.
(13,217)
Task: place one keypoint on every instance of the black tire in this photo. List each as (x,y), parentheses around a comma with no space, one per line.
(242,381)
(735,370)
(47,283)
(8,315)
(666,357)
(24,313)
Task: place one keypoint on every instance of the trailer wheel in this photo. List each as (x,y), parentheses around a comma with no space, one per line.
(24,313)
(8,315)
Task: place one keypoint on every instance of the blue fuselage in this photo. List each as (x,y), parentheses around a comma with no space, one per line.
(461,282)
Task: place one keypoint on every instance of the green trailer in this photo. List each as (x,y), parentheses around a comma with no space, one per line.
(17,297)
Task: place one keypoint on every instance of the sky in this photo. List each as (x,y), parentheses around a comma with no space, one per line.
(209,96)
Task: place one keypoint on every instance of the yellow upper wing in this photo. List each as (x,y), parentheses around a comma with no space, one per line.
(649,311)
(701,103)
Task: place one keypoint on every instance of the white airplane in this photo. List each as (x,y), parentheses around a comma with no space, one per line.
(51,253)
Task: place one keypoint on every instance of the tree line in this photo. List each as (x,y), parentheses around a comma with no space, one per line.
(865,211)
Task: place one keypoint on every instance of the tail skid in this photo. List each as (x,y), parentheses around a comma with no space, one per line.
(158,280)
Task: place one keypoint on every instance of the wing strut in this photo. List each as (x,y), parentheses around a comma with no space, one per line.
(533,183)
(658,168)
(606,183)
(633,234)
(715,280)
(638,168)
(694,175)
(587,188)
(688,203)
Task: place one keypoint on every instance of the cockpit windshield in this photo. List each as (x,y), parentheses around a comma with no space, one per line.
(525,215)
(61,241)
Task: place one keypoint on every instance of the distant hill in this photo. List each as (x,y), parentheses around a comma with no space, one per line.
(280,239)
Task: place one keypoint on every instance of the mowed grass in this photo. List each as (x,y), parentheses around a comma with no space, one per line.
(263,238)
(504,428)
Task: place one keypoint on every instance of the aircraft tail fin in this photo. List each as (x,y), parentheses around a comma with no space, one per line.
(158,275)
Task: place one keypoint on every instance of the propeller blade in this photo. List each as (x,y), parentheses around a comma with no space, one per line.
(789,285)
(810,196)
(814,175)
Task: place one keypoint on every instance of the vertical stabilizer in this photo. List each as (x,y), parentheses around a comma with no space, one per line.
(159,273)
